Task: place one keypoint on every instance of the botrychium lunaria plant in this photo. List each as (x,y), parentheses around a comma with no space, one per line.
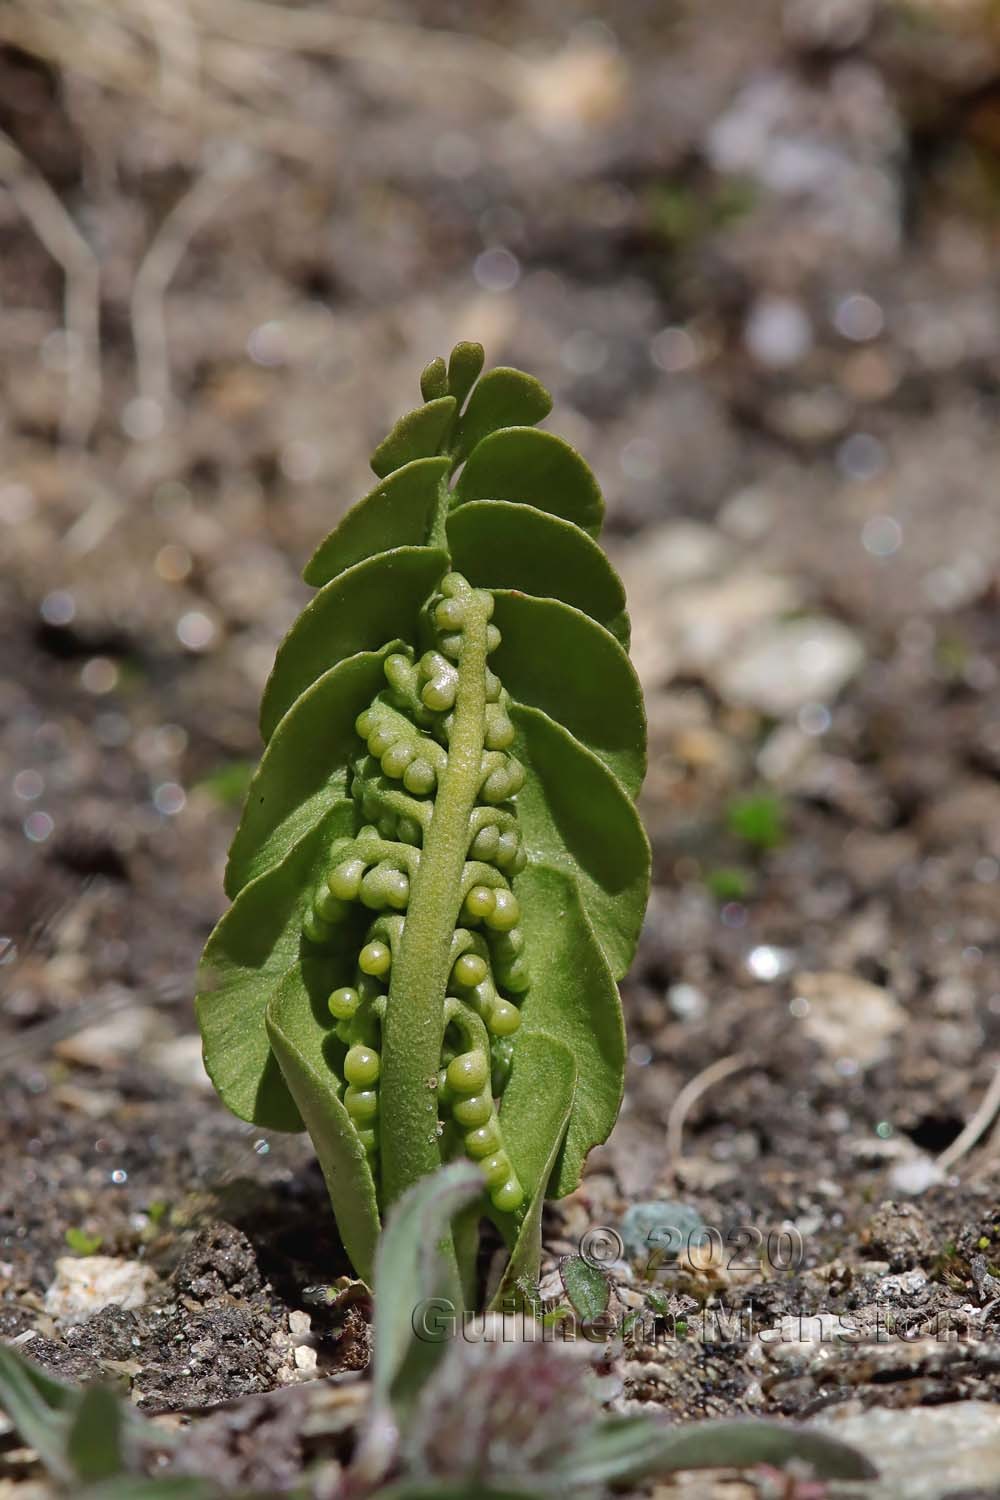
(440,875)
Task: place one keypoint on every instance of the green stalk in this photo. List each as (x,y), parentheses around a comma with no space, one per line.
(414,1024)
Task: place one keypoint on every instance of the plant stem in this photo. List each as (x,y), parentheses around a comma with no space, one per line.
(414,1022)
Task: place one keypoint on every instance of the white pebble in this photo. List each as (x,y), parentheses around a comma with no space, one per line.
(778,333)
(83,1286)
(915,1176)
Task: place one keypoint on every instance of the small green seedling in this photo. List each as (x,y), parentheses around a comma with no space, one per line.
(81,1242)
(758,820)
(729,883)
(440,875)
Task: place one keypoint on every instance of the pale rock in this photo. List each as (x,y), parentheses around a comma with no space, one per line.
(692,601)
(92,1102)
(969,810)
(807,1334)
(83,1286)
(180,1060)
(712,620)
(109,1042)
(777,333)
(582,87)
(926,1452)
(914,1176)
(810,418)
(305,1360)
(789,663)
(849,1017)
(783,753)
(676,553)
(694,628)
(749,514)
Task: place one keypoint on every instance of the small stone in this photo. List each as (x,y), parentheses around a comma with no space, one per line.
(676,553)
(967,811)
(83,1286)
(583,86)
(305,1360)
(111,1042)
(899,1234)
(687,1001)
(788,664)
(799,1334)
(660,1226)
(784,753)
(847,1016)
(915,1176)
(923,1452)
(778,333)
(767,963)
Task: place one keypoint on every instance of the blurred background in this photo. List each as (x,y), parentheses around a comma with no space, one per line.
(753,252)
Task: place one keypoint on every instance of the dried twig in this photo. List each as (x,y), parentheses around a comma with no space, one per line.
(318,30)
(160,263)
(81,301)
(174,49)
(691,1092)
(118,63)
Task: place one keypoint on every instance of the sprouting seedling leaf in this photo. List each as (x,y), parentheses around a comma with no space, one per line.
(82,1242)
(758,820)
(416,1272)
(586,1286)
(439,875)
(419,1303)
(730,883)
(94,1445)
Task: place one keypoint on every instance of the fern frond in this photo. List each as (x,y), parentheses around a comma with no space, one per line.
(440,875)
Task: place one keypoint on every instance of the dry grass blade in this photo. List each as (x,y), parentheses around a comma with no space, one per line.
(309,29)
(167,250)
(691,1093)
(981,1121)
(64,242)
(178,53)
(110,56)
(179,48)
